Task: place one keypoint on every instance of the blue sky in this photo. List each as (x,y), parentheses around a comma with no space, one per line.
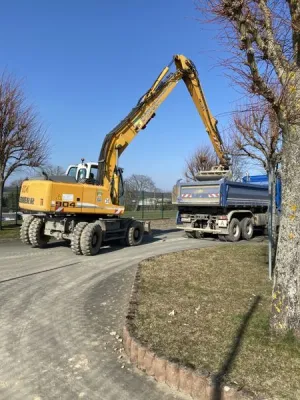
(85,64)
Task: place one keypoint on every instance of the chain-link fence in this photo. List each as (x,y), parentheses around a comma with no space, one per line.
(149,205)
(143,205)
(10,205)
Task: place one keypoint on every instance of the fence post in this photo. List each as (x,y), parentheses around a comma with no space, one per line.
(143,203)
(162,206)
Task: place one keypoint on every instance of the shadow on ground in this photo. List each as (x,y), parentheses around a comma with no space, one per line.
(218,379)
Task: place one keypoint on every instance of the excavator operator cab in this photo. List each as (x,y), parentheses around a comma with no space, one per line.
(84,170)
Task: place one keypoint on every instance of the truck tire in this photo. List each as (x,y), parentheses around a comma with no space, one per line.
(190,234)
(135,234)
(222,238)
(194,234)
(24,230)
(91,239)
(36,233)
(75,242)
(247,228)
(234,230)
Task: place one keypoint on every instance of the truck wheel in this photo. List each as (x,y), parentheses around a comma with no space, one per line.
(91,239)
(234,230)
(75,242)
(24,230)
(36,233)
(194,234)
(222,238)
(199,235)
(134,234)
(190,234)
(247,228)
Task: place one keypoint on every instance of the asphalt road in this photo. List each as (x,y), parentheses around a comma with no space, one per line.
(60,318)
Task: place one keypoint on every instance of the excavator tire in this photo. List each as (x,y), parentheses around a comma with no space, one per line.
(36,234)
(24,230)
(91,239)
(75,242)
(134,234)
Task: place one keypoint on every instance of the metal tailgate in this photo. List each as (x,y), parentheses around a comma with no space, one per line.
(199,194)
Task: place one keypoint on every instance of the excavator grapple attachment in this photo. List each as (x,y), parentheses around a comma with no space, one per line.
(214,174)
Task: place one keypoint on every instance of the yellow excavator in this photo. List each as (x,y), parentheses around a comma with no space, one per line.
(86,207)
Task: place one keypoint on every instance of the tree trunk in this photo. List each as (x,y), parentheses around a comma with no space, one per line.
(1,201)
(274,221)
(286,289)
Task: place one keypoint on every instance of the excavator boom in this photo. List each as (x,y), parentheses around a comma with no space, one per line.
(119,138)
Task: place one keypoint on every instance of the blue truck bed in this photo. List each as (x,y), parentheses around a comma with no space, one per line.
(222,193)
(263,180)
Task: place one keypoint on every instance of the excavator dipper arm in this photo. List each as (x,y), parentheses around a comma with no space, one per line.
(120,137)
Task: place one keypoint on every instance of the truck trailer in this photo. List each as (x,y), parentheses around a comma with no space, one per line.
(231,210)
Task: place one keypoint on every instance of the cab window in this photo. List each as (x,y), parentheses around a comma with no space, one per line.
(72,172)
(81,173)
(94,172)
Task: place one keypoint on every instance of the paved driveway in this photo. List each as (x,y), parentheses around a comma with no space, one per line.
(58,316)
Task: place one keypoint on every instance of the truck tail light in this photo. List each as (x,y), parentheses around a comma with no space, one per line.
(224,217)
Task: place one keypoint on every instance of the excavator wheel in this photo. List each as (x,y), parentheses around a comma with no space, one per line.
(135,234)
(75,242)
(24,230)
(36,233)
(91,239)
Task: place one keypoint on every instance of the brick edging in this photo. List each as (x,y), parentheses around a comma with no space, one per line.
(177,377)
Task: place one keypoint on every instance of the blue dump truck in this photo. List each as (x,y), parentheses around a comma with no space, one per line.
(231,210)
(263,180)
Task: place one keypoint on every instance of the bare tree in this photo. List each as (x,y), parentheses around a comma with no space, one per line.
(135,185)
(257,135)
(51,169)
(204,159)
(23,142)
(264,39)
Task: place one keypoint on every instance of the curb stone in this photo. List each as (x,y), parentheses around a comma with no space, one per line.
(177,377)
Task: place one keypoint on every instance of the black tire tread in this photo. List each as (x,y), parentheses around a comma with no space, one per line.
(86,239)
(244,223)
(36,237)
(75,242)
(230,236)
(24,230)
(130,240)
(190,234)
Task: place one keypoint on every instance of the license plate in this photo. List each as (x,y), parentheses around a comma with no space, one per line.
(222,223)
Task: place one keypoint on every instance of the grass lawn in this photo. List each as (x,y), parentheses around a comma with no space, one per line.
(191,305)
(9,231)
